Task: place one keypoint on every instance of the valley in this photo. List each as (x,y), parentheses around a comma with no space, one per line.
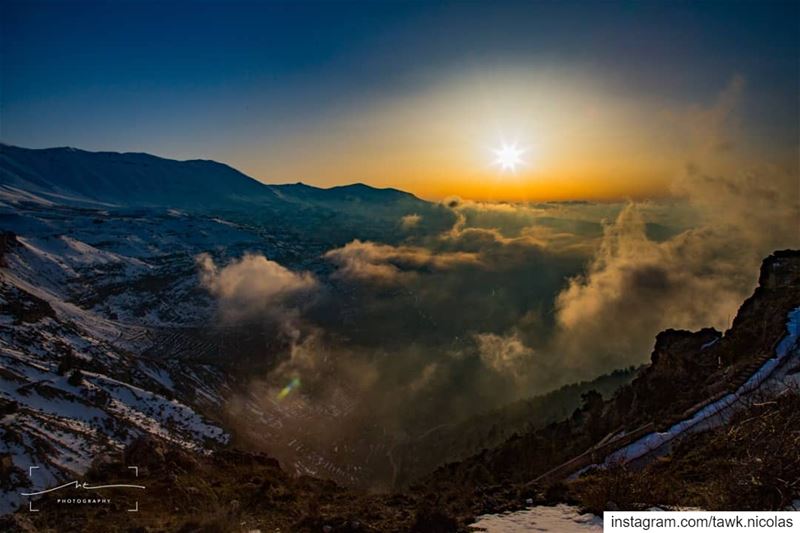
(293,331)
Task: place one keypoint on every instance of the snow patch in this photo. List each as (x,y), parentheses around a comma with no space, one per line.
(558,519)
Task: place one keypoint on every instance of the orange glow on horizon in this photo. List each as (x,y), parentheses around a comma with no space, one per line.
(580,140)
(620,182)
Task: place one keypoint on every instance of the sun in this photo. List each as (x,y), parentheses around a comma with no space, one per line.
(509,157)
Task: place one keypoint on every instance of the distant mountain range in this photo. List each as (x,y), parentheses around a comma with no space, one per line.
(139,179)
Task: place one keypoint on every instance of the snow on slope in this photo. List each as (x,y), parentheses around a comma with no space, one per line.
(97,308)
(86,290)
(771,377)
(123,178)
(61,423)
(558,519)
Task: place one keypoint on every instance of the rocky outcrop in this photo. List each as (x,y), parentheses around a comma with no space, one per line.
(760,322)
(681,349)
(8,241)
(23,306)
(780,270)
(687,371)
(688,367)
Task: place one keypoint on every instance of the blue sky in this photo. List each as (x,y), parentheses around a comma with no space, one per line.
(224,79)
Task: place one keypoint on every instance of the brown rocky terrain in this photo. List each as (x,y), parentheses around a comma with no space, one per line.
(751,463)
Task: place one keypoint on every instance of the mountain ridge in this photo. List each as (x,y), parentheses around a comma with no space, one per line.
(152,180)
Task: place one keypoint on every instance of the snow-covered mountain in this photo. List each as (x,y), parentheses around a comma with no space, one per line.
(125,179)
(139,179)
(84,296)
(101,314)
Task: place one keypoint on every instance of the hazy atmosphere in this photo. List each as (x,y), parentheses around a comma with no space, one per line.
(389,243)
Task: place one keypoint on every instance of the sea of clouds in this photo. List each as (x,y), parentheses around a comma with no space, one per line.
(516,299)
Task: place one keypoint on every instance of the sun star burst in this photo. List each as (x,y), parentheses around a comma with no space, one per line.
(509,157)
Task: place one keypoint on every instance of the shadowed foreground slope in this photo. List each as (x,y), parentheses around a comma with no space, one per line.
(751,463)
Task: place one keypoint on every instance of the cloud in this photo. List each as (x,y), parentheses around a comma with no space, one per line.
(714,129)
(424,378)
(512,229)
(253,285)
(634,286)
(387,264)
(504,354)
(408,222)
(760,204)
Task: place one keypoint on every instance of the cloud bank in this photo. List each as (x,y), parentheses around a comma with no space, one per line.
(635,286)
(517,299)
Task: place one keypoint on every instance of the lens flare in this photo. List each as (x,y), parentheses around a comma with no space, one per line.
(294,384)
